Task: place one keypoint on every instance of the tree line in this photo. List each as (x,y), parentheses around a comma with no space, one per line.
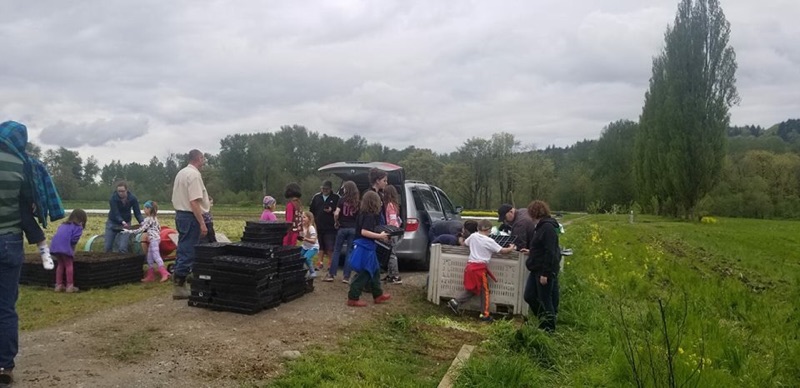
(760,174)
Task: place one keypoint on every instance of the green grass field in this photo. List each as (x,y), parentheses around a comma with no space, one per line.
(730,315)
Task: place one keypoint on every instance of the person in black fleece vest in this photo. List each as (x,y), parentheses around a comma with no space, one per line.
(541,289)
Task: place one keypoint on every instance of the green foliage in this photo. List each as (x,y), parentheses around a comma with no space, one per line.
(479,213)
(681,142)
(728,292)
(514,370)
(423,165)
(41,307)
(536,181)
(758,184)
(613,173)
(395,351)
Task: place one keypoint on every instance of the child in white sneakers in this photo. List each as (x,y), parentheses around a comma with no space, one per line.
(477,274)
(310,243)
(151,226)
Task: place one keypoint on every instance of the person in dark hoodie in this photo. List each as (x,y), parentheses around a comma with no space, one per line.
(121,204)
(541,289)
(516,222)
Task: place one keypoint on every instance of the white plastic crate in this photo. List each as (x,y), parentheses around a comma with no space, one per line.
(446,278)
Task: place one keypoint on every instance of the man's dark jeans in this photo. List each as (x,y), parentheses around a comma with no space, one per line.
(11,256)
(188,237)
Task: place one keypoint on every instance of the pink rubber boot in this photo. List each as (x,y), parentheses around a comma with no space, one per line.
(150,276)
(164,274)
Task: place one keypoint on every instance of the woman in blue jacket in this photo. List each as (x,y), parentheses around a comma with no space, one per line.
(121,204)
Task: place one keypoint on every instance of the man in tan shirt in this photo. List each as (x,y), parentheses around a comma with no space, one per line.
(190,200)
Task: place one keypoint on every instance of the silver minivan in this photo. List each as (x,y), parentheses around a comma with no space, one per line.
(421,205)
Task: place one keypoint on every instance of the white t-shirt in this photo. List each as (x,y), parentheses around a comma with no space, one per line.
(481,248)
(188,186)
(312,231)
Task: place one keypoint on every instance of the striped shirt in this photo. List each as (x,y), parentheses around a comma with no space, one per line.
(11,179)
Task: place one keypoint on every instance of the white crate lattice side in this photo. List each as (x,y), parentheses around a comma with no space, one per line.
(446,278)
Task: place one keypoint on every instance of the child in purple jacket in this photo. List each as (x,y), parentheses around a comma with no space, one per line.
(62,247)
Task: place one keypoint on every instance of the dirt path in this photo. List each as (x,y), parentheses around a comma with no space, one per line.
(166,343)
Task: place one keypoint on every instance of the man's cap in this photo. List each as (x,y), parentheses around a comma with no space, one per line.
(327,185)
(502,211)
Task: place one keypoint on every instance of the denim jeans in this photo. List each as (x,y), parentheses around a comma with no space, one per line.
(113,233)
(343,236)
(188,237)
(11,257)
(543,300)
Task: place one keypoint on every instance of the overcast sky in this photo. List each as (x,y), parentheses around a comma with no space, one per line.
(127,80)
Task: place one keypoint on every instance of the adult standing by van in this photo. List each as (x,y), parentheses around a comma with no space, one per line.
(190,201)
(121,204)
(518,222)
(541,290)
(323,205)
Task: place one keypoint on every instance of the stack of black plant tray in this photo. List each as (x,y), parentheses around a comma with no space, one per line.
(291,266)
(292,271)
(246,277)
(91,270)
(236,283)
(265,232)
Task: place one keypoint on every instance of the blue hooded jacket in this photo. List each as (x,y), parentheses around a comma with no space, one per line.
(364,257)
(14,138)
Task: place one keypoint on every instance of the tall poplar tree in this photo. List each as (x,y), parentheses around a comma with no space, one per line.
(681,142)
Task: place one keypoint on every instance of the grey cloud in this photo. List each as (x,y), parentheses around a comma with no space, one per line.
(96,133)
(413,71)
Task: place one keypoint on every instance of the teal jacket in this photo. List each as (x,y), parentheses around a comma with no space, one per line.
(14,138)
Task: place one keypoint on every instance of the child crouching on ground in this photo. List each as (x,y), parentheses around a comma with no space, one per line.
(476,274)
(151,226)
(62,247)
(363,260)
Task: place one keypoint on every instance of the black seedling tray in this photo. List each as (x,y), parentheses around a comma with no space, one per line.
(269,225)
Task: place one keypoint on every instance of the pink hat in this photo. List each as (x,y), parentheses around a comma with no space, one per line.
(269,201)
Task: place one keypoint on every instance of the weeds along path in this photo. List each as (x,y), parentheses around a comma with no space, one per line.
(164,343)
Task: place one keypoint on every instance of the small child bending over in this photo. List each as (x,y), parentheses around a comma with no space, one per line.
(151,226)
(310,243)
(62,247)
(476,274)
(363,260)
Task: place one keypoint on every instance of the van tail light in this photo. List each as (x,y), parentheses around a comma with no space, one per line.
(412,224)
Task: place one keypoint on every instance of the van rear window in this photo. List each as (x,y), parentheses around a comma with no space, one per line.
(429,200)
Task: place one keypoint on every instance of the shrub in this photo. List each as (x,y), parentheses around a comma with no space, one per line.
(708,220)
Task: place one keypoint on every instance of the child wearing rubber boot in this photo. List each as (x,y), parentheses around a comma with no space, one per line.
(477,273)
(363,260)
(151,226)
